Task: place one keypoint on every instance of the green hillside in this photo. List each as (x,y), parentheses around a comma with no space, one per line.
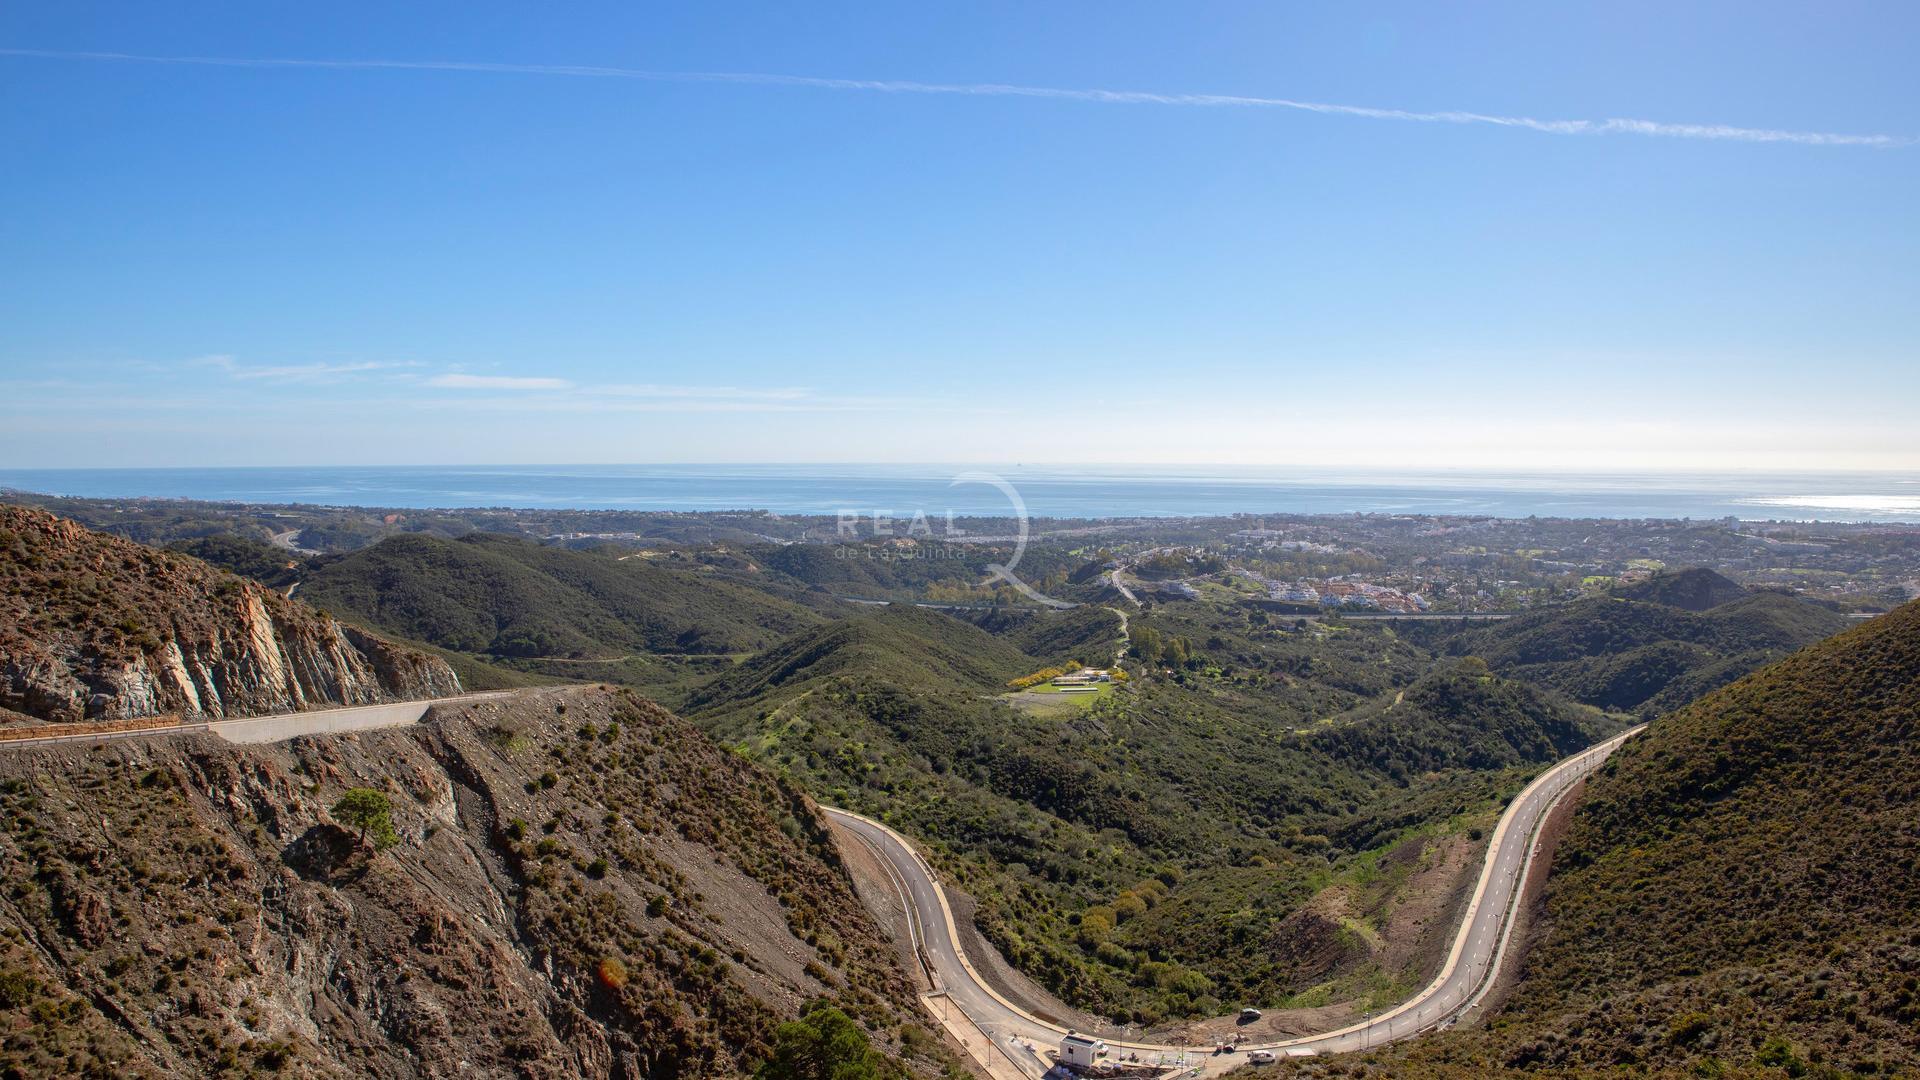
(1624,654)
(1271,771)
(1739,894)
(501,597)
(1089,633)
(898,644)
(1460,716)
(923,569)
(1695,589)
(245,556)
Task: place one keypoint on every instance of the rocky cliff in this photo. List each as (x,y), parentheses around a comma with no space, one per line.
(96,627)
(582,886)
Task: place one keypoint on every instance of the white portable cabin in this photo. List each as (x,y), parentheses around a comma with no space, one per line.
(1080,1051)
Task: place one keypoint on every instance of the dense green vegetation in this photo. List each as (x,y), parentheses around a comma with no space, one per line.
(1739,893)
(1458,716)
(1090,633)
(1617,652)
(1268,768)
(902,645)
(822,1045)
(245,556)
(1695,589)
(649,619)
(926,569)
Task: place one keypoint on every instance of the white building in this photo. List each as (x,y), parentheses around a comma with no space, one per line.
(1081,1051)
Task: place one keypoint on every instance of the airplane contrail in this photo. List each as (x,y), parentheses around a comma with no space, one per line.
(1616,126)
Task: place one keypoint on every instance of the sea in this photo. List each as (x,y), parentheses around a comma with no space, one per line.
(1050,491)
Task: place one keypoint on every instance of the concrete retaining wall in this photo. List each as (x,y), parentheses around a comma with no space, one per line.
(266,729)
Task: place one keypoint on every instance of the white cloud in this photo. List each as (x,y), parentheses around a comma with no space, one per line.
(312,372)
(729,393)
(498,382)
(1721,132)
(596,399)
(563,395)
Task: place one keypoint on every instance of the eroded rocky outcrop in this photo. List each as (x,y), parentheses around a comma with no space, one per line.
(96,627)
(583,886)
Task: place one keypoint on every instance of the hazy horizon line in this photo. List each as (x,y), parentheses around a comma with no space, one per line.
(1479,470)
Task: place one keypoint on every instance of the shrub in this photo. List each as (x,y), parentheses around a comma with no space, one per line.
(17,988)
(1096,923)
(1687,1027)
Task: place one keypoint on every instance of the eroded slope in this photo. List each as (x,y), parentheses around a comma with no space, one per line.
(96,627)
(584,886)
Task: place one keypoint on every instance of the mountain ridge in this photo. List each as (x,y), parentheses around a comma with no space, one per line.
(94,627)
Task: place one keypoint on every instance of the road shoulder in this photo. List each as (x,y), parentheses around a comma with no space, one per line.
(1530,914)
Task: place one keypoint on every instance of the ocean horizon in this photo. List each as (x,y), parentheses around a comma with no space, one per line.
(1052,491)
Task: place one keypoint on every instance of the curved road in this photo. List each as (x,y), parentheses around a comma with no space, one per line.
(1478,948)
(276,727)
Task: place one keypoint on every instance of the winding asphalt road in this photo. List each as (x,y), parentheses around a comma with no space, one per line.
(1479,946)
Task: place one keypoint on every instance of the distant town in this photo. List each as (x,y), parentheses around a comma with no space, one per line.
(1293,564)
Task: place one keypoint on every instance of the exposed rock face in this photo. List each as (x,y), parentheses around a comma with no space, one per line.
(583,886)
(96,627)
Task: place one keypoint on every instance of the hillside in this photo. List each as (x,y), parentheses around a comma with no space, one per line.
(1459,716)
(1145,855)
(909,569)
(243,555)
(1737,894)
(1089,633)
(96,627)
(901,644)
(1626,654)
(582,886)
(1693,589)
(498,596)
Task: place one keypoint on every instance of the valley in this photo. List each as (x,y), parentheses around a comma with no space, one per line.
(1010,541)
(1246,808)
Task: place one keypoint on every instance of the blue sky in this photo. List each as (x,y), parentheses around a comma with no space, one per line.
(220,264)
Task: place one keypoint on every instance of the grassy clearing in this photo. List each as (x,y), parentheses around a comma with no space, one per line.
(1049,700)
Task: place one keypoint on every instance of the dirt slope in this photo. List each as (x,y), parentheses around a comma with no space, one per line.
(583,887)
